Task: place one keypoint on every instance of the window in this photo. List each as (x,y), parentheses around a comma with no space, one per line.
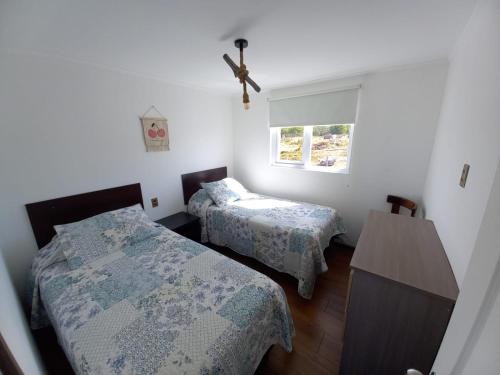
(330,146)
(317,147)
(291,144)
(314,131)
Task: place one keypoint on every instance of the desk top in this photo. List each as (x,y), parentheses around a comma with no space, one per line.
(407,250)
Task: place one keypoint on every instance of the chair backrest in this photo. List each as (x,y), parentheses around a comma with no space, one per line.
(397,202)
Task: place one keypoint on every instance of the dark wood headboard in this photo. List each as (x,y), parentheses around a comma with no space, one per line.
(191,181)
(44,215)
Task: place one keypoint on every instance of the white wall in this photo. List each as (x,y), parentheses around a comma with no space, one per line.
(475,321)
(69,128)
(469,132)
(14,328)
(468,220)
(483,357)
(392,143)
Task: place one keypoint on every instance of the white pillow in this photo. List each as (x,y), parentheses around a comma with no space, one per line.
(238,188)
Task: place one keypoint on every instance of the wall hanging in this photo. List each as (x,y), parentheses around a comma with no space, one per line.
(155,131)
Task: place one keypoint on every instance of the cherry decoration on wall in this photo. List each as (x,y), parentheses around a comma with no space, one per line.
(155,131)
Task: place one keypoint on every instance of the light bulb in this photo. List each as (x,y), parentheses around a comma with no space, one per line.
(246,106)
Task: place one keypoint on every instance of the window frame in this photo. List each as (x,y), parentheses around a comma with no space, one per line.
(305,163)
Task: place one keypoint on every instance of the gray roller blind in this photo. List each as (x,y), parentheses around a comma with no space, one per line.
(336,107)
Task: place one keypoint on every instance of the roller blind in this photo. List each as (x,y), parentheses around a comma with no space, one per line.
(336,107)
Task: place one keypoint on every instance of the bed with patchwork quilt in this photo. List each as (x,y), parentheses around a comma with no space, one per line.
(285,235)
(126,296)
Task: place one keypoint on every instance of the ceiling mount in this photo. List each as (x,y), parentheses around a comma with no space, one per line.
(241,43)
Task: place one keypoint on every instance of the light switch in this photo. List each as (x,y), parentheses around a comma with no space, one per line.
(154,202)
(465,173)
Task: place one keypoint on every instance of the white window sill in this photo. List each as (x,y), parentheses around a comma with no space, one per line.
(309,168)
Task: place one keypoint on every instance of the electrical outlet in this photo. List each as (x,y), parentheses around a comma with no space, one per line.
(465,173)
(154,202)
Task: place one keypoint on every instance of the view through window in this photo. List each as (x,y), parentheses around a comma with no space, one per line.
(291,144)
(321,147)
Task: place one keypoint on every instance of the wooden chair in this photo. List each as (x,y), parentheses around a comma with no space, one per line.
(397,202)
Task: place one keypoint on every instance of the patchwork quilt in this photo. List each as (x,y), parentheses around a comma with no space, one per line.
(285,235)
(160,305)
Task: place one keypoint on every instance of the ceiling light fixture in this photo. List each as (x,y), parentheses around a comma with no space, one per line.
(241,71)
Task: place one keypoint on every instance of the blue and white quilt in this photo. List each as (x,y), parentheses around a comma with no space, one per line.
(158,304)
(285,235)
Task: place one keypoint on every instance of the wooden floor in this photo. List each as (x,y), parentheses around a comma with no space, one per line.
(318,322)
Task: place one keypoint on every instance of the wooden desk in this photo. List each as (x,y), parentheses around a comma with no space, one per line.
(402,294)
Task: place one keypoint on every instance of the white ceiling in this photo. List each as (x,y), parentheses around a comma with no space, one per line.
(182,41)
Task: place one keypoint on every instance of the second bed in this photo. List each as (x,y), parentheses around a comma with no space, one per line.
(285,235)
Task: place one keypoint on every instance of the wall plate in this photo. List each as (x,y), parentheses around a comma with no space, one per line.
(154,202)
(465,173)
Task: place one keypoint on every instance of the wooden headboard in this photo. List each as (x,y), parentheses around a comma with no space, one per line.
(44,215)
(191,181)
